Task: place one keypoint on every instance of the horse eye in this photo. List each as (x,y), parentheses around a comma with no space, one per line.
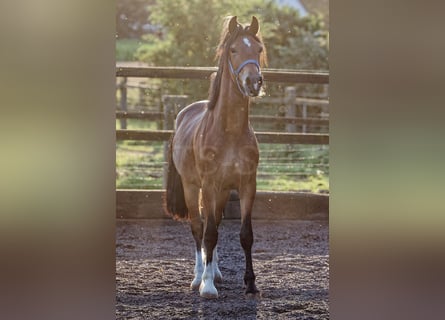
(232,50)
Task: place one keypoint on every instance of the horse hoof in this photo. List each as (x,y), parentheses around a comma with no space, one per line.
(252,292)
(208,291)
(253,295)
(218,277)
(209,295)
(195,284)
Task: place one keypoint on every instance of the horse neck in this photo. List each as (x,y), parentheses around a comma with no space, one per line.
(232,108)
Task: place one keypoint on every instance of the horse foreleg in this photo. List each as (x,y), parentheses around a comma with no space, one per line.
(213,204)
(207,288)
(246,237)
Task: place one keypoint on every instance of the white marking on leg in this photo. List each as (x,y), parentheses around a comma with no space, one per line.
(247,42)
(216,271)
(207,288)
(199,268)
(204,257)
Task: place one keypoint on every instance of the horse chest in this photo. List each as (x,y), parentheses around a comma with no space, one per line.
(228,163)
(232,160)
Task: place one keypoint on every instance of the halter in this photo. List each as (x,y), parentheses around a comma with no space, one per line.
(238,70)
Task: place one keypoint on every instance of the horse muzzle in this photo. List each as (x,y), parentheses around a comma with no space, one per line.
(252,85)
(248,77)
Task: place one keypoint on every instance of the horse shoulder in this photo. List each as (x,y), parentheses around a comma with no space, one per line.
(248,150)
(192,111)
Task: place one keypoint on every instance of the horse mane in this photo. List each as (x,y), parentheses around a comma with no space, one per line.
(222,53)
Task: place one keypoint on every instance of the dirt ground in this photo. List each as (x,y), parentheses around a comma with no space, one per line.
(155,261)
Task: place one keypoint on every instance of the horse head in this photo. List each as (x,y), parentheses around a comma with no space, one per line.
(245,54)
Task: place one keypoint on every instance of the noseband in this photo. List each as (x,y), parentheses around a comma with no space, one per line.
(238,70)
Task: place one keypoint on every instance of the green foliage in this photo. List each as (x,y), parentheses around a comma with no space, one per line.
(126,49)
(187,34)
(293,42)
(131,16)
(192,29)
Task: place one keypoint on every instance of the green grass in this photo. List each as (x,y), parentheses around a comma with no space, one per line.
(293,168)
(137,124)
(139,164)
(283,183)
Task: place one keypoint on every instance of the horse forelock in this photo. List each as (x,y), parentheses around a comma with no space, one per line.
(222,52)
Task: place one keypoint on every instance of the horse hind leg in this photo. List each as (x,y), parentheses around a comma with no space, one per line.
(221,203)
(218,275)
(196,225)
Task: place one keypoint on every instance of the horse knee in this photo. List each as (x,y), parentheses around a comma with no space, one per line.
(210,239)
(196,227)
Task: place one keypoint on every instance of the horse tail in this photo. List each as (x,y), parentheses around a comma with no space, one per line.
(175,205)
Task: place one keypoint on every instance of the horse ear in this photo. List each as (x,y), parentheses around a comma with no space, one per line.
(254,26)
(233,24)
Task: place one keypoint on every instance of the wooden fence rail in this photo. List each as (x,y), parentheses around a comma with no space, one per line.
(203,73)
(143,204)
(157,116)
(263,137)
(289,118)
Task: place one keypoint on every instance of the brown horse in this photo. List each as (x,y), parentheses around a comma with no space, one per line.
(214,150)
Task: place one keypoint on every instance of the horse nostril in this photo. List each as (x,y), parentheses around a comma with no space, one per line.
(260,80)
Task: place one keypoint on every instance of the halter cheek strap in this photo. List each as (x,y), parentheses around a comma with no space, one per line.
(238,70)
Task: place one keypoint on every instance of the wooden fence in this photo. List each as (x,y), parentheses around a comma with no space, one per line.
(203,73)
(290,99)
(289,118)
(147,203)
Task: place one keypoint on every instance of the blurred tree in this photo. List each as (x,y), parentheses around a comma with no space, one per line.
(192,29)
(294,42)
(131,18)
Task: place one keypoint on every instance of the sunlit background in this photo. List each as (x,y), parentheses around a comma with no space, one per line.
(186,33)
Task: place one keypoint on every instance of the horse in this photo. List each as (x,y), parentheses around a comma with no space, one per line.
(213,150)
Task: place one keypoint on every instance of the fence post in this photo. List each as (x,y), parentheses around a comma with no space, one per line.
(123,102)
(142,94)
(172,105)
(304,115)
(290,95)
